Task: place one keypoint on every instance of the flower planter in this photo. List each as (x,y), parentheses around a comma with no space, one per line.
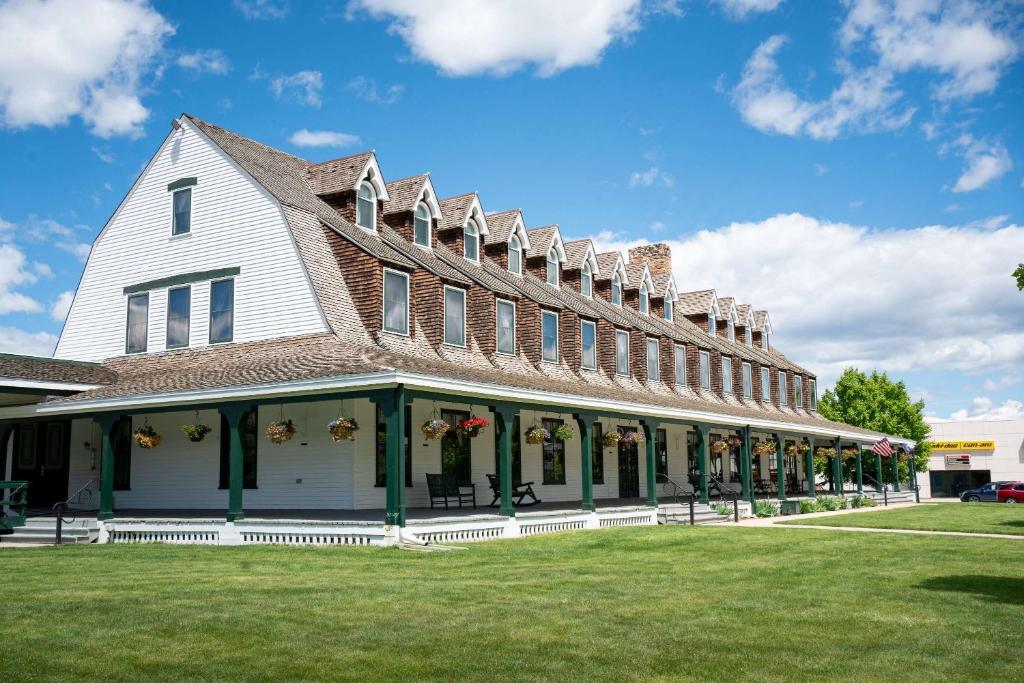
(280,431)
(342,428)
(634,438)
(563,433)
(720,446)
(196,432)
(472,426)
(435,429)
(764,448)
(536,435)
(611,439)
(146,437)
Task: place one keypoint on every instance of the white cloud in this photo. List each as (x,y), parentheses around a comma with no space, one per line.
(984,408)
(302,87)
(933,297)
(650,177)
(820,169)
(741,9)
(262,9)
(366,89)
(469,37)
(986,161)
(14,272)
(14,340)
(60,307)
(104,156)
(322,138)
(205,61)
(67,58)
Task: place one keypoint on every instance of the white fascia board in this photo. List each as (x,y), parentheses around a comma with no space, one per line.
(21,383)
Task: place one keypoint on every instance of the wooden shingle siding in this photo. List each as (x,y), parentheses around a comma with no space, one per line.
(426,294)
(667,358)
(364,276)
(481,320)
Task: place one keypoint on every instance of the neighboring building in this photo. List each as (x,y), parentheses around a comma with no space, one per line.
(237,285)
(969,453)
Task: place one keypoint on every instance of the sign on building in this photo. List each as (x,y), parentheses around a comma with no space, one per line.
(963,445)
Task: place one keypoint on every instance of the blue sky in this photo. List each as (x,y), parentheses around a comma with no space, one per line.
(855,168)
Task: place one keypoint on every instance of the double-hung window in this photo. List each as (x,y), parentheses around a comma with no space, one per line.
(705,370)
(653,360)
(553,267)
(668,309)
(621,352)
(586,281)
(783,389)
(181,222)
(179,305)
(645,299)
(454,316)
(588,344)
(727,375)
(366,207)
(764,340)
(731,330)
(680,365)
(812,386)
(222,311)
(616,290)
(766,385)
(748,386)
(711,324)
(749,335)
(421,225)
(396,302)
(515,255)
(471,241)
(138,323)
(798,391)
(549,336)
(506,312)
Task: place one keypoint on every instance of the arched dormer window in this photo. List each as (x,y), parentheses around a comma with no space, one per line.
(749,334)
(366,207)
(421,225)
(471,241)
(586,281)
(711,324)
(731,330)
(553,267)
(515,255)
(616,290)
(668,309)
(645,299)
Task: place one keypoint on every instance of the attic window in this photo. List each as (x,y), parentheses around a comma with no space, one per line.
(764,340)
(668,309)
(421,225)
(616,290)
(586,281)
(471,241)
(553,267)
(515,255)
(749,334)
(366,207)
(732,330)
(645,299)
(711,324)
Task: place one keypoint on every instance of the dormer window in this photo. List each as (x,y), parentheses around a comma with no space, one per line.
(668,309)
(764,341)
(421,225)
(749,335)
(366,207)
(711,324)
(515,255)
(645,300)
(616,290)
(471,241)
(586,281)
(553,267)
(731,330)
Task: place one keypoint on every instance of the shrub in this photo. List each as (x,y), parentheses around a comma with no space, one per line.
(809,506)
(860,501)
(766,508)
(722,508)
(832,503)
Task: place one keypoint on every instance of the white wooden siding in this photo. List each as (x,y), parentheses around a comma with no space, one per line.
(235,223)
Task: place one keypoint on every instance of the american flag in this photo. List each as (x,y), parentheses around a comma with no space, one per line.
(883,448)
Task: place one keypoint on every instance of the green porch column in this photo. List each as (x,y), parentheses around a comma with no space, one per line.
(894,463)
(878,472)
(392,404)
(585,422)
(650,428)
(746,477)
(860,470)
(106,423)
(809,471)
(233,413)
(837,467)
(505,416)
(780,466)
(702,461)
(912,465)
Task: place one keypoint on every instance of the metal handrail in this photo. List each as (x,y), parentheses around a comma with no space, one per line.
(16,500)
(61,508)
(676,490)
(722,488)
(884,487)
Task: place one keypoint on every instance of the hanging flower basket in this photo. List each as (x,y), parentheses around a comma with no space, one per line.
(849,453)
(537,435)
(735,441)
(435,429)
(611,439)
(342,428)
(803,448)
(720,446)
(828,452)
(789,449)
(281,431)
(764,448)
(471,426)
(146,437)
(633,438)
(563,433)
(196,432)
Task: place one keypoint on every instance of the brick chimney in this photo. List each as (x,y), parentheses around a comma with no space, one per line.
(658,257)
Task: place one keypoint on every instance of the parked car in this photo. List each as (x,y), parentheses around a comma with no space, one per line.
(1011,494)
(989,493)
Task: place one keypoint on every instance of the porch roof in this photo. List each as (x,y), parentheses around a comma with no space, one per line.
(27,379)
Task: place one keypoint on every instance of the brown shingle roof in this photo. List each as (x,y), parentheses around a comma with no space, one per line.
(725,304)
(759,320)
(541,240)
(695,303)
(455,211)
(500,225)
(576,252)
(337,175)
(606,264)
(40,369)
(404,193)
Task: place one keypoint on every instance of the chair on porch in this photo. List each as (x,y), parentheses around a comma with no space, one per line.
(519,492)
(445,488)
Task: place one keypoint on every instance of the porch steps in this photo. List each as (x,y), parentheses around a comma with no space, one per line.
(894,496)
(43,530)
(702,514)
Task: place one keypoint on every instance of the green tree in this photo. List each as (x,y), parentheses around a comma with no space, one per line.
(876,402)
(1019,274)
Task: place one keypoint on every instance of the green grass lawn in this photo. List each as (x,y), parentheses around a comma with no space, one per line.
(986,518)
(661,603)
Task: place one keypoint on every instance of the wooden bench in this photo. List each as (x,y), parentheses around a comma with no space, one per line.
(445,488)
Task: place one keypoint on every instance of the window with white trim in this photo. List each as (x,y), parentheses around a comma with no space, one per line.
(588,344)
(766,385)
(396,301)
(727,374)
(222,311)
(366,207)
(749,333)
(731,330)
(454,316)
(181,220)
(549,336)
(506,313)
(471,241)
(622,352)
(645,299)
(616,290)
(137,333)
(668,309)
(553,267)
(653,360)
(179,309)
(421,225)
(705,370)
(586,281)
(783,389)
(748,381)
(812,386)
(515,255)
(680,365)
(711,324)
(764,341)
(798,391)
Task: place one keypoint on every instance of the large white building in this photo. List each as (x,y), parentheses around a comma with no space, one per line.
(969,453)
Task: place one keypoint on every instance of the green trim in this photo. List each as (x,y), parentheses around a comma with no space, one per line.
(182,183)
(183,279)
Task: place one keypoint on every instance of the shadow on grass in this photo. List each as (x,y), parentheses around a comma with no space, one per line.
(1018,523)
(1003,589)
